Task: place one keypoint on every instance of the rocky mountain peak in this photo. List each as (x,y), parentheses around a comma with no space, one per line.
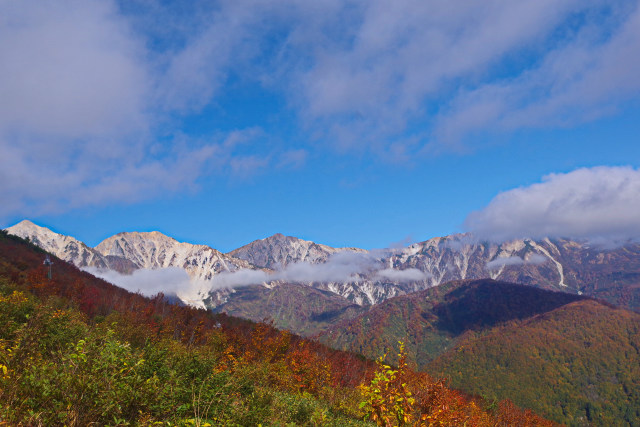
(279,250)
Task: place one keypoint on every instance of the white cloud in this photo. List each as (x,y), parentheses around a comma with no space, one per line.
(360,73)
(238,278)
(70,69)
(344,266)
(82,106)
(599,204)
(584,78)
(61,183)
(368,84)
(407,275)
(74,118)
(501,262)
(150,282)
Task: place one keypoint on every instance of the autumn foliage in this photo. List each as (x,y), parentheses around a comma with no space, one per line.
(75,350)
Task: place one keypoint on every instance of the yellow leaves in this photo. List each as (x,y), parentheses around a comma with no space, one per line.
(16,298)
(388,400)
(197,422)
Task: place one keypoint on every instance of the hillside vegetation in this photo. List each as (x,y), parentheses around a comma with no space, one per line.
(573,359)
(431,321)
(75,350)
(578,363)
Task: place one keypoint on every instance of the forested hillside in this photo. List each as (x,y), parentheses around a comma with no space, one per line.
(578,363)
(432,320)
(75,350)
(573,359)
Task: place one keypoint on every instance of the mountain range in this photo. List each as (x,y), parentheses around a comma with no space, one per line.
(349,280)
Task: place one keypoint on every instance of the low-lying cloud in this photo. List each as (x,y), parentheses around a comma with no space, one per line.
(515,260)
(344,266)
(599,204)
(150,282)
(408,275)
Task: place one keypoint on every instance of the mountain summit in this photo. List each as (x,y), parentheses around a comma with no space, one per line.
(278,251)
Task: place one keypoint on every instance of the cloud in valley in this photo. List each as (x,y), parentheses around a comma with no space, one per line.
(407,275)
(498,263)
(344,266)
(150,282)
(599,204)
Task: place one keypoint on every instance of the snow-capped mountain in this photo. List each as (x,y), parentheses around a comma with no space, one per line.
(279,251)
(459,257)
(154,250)
(69,248)
(360,276)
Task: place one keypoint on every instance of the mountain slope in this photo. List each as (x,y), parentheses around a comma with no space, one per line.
(374,276)
(155,250)
(558,264)
(76,350)
(431,321)
(571,358)
(576,364)
(298,308)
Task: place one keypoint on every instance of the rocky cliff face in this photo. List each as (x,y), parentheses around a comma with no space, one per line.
(278,251)
(558,264)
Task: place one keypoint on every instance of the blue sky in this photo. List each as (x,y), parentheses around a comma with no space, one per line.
(350,123)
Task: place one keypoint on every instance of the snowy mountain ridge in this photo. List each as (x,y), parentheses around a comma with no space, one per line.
(278,251)
(154,250)
(362,277)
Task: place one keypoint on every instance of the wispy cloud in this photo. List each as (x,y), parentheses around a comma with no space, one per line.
(293,159)
(585,77)
(150,282)
(406,275)
(599,204)
(94,93)
(497,263)
(344,266)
